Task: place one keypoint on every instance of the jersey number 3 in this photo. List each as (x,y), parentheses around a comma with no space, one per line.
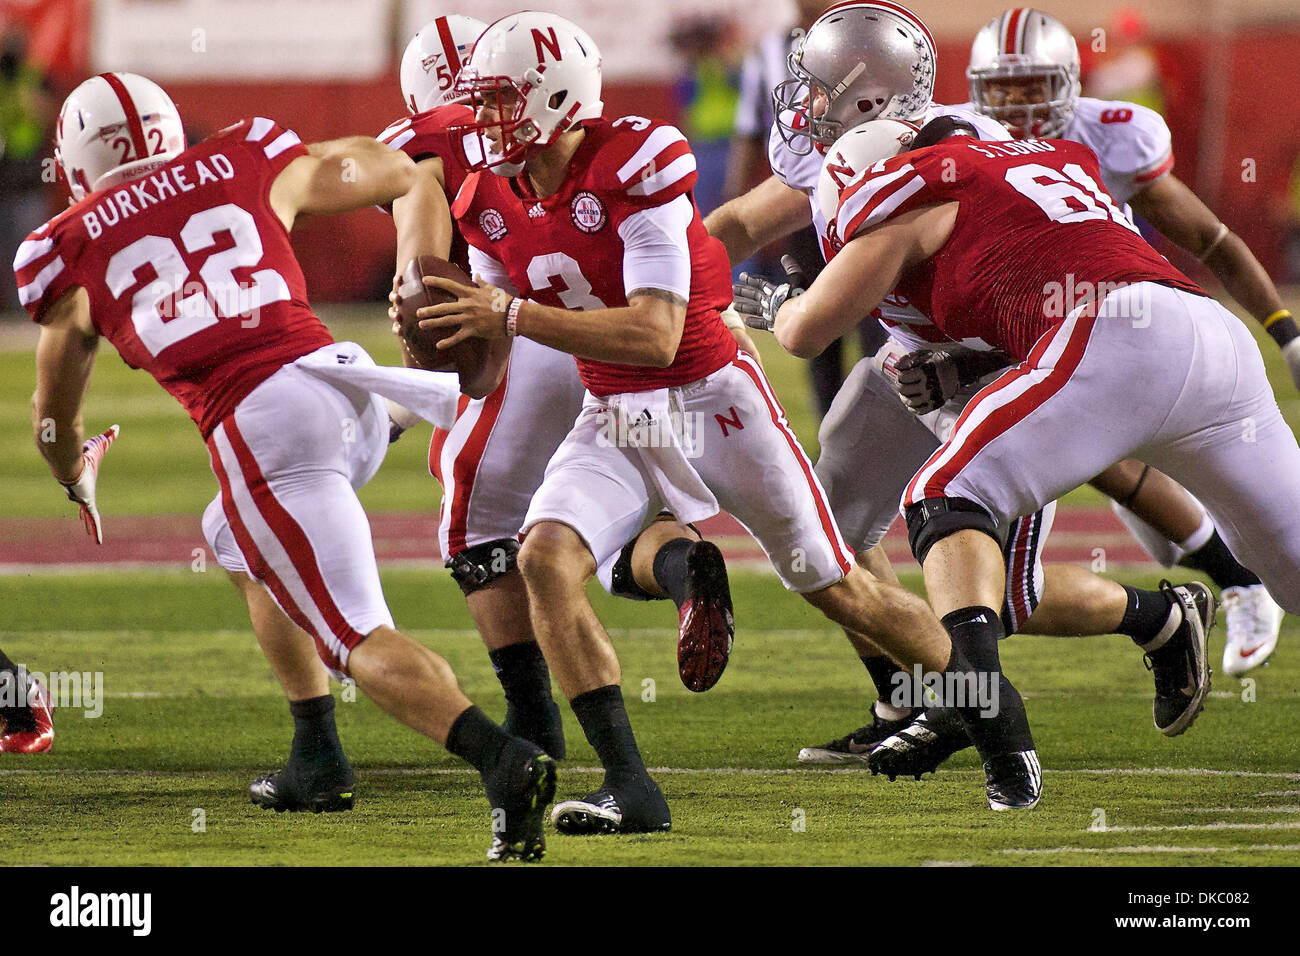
(169,309)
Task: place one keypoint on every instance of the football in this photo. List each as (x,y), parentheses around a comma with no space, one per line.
(422,344)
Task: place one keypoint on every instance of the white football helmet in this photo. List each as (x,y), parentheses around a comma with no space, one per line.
(114,127)
(867,61)
(1018,46)
(434,57)
(547,67)
(848,159)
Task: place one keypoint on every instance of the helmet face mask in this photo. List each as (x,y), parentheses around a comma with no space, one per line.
(530,78)
(860,61)
(1024,73)
(114,127)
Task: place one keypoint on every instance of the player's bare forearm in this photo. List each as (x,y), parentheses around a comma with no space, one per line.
(645,332)
(1170,206)
(1244,278)
(422,216)
(859,277)
(65,357)
(769,211)
(340,175)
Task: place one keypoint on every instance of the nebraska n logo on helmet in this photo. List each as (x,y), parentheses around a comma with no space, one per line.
(543,70)
(114,127)
(859,61)
(1018,47)
(434,57)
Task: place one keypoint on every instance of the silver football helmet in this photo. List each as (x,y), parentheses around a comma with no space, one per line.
(1024,73)
(859,61)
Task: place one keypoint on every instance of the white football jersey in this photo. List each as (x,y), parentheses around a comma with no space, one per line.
(899,318)
(1132,142)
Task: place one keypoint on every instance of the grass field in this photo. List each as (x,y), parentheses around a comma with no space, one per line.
(190,712)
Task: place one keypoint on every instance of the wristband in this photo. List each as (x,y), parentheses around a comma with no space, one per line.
(512,316)
(1281,326)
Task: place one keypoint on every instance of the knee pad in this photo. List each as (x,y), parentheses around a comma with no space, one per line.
(479,566)
(931,520)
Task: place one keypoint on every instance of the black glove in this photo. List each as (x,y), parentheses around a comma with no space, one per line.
(758,301)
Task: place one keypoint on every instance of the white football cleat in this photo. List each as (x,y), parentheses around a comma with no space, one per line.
(1254,620)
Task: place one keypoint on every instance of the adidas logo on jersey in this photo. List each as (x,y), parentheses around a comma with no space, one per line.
(535,211)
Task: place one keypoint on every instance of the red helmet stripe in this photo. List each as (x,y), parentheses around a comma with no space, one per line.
(448,44)
(901,11)
(1014,42)
(133,123)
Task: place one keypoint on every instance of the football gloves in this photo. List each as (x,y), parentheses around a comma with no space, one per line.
(82,491)
(926,380)
(758,301)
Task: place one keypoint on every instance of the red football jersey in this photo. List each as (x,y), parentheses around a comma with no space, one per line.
(1036,235)
(427,134)
(190,274)
(565,250)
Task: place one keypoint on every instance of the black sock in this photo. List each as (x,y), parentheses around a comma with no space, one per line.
(1217,561)
(670,568)
(1146,615)
(995,729)
(476,740)
(315,738)
(524,677)
(605,722)
(903,692)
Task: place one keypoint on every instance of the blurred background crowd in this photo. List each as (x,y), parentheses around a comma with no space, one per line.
(1222,72)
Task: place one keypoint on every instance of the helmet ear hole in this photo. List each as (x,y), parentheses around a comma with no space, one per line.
(557,99)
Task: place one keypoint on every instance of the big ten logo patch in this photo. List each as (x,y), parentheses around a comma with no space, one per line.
(588,212)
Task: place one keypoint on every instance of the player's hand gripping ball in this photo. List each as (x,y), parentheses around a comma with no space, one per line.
(414,294)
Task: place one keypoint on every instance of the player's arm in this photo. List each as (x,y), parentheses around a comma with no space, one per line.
(859,276)
(341,175)
(1170,206)
(769,211)
(423,216)
(647,331)
(65,357)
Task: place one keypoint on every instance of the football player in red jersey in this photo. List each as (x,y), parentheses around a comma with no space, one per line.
(181,258)
(591,223)
(1024,72)
(869,59)
(494,457)
(1052,272)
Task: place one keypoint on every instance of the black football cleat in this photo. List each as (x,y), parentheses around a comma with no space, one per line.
(281,793)
(921,746)
(519,788)
(610,811)
(706,628)
(1013,781)
(1180,663)
(855,747)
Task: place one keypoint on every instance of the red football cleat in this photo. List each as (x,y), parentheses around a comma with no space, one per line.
(36,741)
(706,628)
